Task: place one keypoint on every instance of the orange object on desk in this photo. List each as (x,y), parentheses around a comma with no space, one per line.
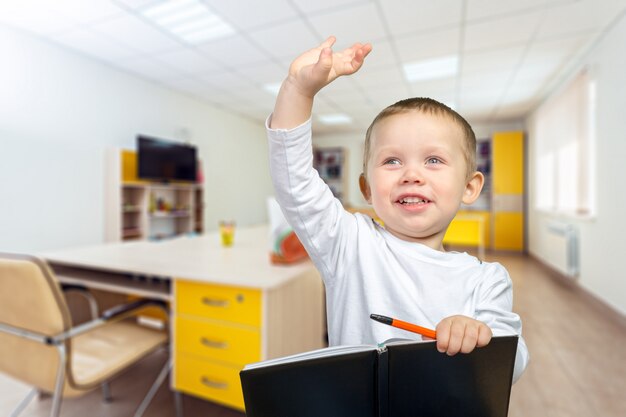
(290,250)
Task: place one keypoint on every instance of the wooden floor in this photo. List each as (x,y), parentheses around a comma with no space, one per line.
(577,348)
(577,366)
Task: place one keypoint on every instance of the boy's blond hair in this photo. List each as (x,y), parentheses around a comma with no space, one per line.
(429,106)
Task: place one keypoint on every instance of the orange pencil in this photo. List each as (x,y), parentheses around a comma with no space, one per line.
(405,325)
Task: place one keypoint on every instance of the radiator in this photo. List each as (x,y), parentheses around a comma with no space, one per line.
(565,239)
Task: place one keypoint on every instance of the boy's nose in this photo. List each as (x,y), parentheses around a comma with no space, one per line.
(412,175)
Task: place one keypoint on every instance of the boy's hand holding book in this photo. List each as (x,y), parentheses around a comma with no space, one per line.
(454,334)
(461,334)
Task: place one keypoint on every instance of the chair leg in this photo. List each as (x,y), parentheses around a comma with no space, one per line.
(153,389)
(25,401)
(178,403)
(106,392)
(60,382)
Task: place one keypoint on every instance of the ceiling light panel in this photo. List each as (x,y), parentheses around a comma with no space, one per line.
(272,88)
(189,20)
(432,69)
(334,119)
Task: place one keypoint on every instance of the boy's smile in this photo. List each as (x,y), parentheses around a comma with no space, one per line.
(416,177)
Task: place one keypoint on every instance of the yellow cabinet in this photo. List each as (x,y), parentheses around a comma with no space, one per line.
(221,342)
(217,333)
(508,231)
(220,327)
(206,379)
(469,228)
(508,191)
(220,302)
(508,163)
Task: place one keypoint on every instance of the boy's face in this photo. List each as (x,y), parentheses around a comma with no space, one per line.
(416,177)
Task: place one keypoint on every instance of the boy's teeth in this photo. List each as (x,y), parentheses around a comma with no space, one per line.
(412,200)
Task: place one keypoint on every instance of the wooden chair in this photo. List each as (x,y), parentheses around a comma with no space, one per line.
(40,346)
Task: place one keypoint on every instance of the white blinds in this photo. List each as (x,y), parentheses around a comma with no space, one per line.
(565,150)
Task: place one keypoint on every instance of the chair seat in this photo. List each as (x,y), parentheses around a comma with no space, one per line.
(101,353)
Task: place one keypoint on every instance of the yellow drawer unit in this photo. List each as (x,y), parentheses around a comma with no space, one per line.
(223,343)
(219,383)
(468,228)
(221,302)
(509,231)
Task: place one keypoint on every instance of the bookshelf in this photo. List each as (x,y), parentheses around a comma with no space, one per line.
(144,210)
(330,164)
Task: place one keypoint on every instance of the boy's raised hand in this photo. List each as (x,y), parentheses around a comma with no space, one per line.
(308,74)
(461,334)
(318,67)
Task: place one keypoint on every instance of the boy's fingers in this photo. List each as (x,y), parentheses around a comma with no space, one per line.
(470,339)
(443,336)
(457,333)
(326,57)
(484,336)
(324,63)
(366,49)
(360,54)
(329,42)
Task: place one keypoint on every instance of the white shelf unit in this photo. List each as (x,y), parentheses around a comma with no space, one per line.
(141,210)
(158,211)
(170,210)
(133,206)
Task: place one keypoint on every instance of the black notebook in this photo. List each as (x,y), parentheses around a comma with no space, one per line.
(397,379)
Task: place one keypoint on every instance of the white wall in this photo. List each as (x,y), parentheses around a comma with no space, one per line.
(60,111)
(602,239)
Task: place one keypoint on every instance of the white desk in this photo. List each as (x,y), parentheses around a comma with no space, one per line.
(230,305)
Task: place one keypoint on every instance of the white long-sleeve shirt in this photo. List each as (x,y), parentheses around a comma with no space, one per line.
(368,270)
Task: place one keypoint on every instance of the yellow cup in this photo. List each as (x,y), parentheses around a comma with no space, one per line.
(227,233)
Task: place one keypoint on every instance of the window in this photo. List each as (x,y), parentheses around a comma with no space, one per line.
(564,170)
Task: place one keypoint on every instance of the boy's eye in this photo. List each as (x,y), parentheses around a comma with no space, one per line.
(433,160)
(391,161)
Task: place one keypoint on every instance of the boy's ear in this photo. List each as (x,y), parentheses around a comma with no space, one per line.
(365,188)
(473,187)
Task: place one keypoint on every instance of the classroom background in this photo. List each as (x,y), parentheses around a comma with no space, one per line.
(542,82)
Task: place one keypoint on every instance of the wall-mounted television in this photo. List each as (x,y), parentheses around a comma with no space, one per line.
(165,160)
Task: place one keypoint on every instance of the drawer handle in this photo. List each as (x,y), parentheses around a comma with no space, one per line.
(213,302)
(213,384)
(216,344)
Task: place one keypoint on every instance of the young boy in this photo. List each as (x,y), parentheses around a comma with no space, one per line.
(418,168)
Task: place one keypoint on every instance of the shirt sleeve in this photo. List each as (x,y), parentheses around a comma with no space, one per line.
(317,217)
(495,310)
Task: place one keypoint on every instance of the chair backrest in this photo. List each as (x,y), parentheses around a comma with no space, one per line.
(31,299)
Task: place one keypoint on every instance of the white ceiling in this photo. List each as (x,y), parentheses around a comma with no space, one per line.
(511,52)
